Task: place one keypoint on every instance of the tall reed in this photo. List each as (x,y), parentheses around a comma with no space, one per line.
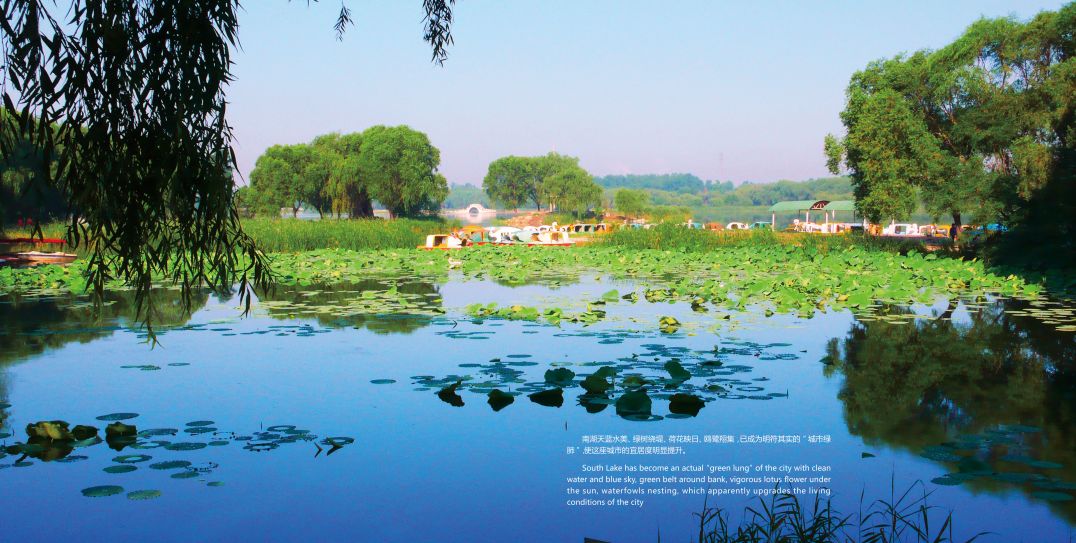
(291,235)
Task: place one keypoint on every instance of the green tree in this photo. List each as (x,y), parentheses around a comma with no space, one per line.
(631,202)
(511,183)
(888,150)
(400,165)
(346,187)
(291,176)
(987,121)
(572,189)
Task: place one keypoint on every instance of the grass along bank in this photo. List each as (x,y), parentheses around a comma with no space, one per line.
(289,235)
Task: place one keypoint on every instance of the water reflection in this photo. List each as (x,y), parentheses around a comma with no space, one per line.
(381,306)
(982,388)
(30,325)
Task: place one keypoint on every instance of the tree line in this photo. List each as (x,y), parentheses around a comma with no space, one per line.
(552,180)
(339,174)
(983,127)
(745,194)
(684,183)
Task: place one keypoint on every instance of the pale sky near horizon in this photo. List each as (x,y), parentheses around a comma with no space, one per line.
(725,90)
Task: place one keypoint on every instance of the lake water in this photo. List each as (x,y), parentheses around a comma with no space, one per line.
(310,419)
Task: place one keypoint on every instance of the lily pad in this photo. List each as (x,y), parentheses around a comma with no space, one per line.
(101,491)
(185,446)
(144,495)
(553,397)
(171,464)
(499,400)
(1052,496)
(112,417)
(132,458)
(120,468)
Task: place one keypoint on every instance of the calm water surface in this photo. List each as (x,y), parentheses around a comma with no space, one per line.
(313,419)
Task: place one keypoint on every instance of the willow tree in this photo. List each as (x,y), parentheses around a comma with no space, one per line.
(511,183)
(127,99)
(346,187)
(293,177)
(631,202)
(572,189)
(400,166)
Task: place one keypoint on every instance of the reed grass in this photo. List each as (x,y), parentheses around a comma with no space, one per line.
(782,518)
(290,235)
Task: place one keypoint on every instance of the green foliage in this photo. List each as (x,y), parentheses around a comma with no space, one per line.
(346,188)
(344,173)
(24,189)
(124,104)
(571,189)
(748,202)
(982,127)
(553,179)
(460,196)
(511,182)
(676,237)
(290,176)
(400,166)
(767,194)
(684,183)
(631,202)
(276,235)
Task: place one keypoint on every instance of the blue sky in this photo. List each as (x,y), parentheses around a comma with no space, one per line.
(725,90)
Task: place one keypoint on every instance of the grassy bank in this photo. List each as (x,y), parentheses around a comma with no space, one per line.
(289,235)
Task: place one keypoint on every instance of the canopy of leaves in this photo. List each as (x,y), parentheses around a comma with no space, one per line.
(400,165)
(553,179)
(631,202)
(982,126)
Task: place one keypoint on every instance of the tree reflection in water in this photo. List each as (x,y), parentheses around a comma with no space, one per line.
(990,394)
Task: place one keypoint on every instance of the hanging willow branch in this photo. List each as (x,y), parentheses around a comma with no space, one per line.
(125,101)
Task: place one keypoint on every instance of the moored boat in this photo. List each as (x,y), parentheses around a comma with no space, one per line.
(38,257)
(550,239)
(442,241)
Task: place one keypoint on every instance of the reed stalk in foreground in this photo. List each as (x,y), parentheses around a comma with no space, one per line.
(782,518)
